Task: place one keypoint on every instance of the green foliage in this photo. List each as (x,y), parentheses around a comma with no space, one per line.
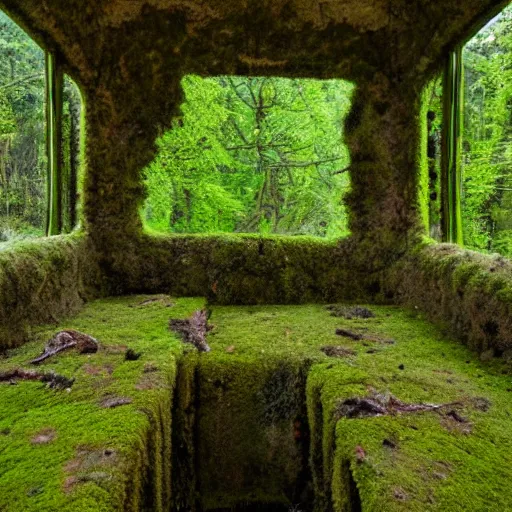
(253,155)
(433,112)
(7,119)
(487,165)
(22,136)
(23,159)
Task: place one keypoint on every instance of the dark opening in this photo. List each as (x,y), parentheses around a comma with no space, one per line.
(355,499)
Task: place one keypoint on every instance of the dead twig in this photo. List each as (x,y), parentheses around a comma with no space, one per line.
(337,351)
(378,404)
(65,340)
(193,330)
(52,379)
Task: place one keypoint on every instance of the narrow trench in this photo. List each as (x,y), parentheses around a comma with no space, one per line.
(188,491)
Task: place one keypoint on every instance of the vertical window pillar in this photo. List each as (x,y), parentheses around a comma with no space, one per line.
(54,109)
(451,175)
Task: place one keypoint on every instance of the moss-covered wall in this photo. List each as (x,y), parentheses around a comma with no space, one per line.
(469,292)
(129,58)
(41,281)
(245,269)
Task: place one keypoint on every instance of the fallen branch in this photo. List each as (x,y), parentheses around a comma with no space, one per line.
(115,401)
(53,380)
(382,405)
(349,312)
(337,351)
(349,334)
(193,330)
(65,340)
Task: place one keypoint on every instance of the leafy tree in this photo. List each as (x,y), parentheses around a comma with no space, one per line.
(23,159)
(487,166)
(22,139)
(253,155)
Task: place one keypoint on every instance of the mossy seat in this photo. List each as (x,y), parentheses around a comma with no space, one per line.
(64,450)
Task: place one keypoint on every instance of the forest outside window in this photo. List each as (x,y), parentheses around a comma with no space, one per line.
(469,119)
(27,174)
(253,155)
(487,140)
(486,143)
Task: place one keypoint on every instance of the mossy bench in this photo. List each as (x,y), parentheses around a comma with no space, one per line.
(68,450)
(261,419)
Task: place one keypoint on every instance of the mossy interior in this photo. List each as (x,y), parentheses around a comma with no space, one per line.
(254,420)
(129,58)
(101,458)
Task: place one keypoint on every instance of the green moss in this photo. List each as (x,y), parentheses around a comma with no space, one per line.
(435,462)
(72,472)
(243,269)
(423,163)
(41,281)
(255,420)
(467,291)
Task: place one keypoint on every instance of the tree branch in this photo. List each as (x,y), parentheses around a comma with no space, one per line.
(28,78)
(305,164)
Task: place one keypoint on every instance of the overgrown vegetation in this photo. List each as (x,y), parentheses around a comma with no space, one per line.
(105,443)
(23,151)
(262,155)
(22,134)
(434,113)
(487,143)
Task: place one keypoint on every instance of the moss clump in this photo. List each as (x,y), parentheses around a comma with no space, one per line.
(415,461)
(42,281)
(98,458)
(469,292)
(243,269)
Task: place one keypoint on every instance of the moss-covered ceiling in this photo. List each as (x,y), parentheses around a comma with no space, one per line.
(348,38)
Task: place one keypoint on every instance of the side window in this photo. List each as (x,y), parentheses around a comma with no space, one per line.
(40,140)
(476,164)
(487,138)
(23,161)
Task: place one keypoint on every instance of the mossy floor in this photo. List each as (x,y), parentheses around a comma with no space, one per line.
(256,409)
(414,461)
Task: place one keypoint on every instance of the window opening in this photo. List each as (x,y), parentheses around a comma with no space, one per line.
(23,183)
(434,123)
(41,134)
(487,143)
(253,155)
